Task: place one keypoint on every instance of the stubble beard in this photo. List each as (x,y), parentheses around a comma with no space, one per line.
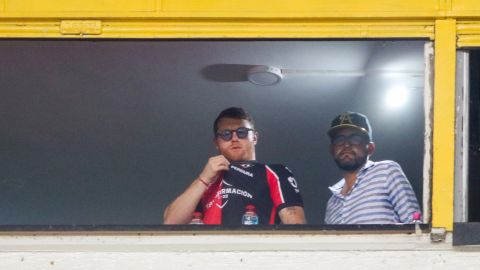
(244,155)
(351,165)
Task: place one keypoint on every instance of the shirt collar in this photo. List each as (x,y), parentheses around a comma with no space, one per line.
(337,188)
(365,167)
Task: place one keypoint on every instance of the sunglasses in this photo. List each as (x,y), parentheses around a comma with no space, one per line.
(354,139)
(227,134)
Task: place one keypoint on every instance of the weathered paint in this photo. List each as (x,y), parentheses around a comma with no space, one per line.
(233,252)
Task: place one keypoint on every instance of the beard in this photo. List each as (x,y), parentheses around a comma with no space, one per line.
(351,165)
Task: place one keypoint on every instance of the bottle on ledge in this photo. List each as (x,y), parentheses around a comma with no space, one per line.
(250,216)
(417,219)
(197,218)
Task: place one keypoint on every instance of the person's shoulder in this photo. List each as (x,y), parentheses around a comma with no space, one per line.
(284,175)
(383,166)
(279,168)
(387,163)
(389,166)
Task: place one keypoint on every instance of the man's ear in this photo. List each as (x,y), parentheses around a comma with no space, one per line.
(255,137)
(370,148)
(214,141)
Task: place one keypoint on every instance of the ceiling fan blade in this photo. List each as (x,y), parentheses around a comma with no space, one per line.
(226,72)
(353,73)
(324,72)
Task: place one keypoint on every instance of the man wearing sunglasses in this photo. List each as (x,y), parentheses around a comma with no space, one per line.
(370,192)
(233,179)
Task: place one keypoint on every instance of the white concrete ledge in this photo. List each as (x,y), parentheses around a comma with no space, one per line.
(233,251)
(219,242)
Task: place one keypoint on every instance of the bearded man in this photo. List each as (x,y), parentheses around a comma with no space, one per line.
(369,192)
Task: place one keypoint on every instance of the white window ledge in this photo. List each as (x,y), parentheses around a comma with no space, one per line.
(154,242)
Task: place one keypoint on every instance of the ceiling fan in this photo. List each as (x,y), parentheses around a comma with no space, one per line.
(265,75)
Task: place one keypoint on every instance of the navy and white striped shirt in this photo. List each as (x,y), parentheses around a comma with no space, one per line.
(381,194)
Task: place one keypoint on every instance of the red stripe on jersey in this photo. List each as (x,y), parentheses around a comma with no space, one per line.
(275,192)
(211,202)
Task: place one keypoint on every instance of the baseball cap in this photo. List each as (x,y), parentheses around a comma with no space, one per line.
(351,120)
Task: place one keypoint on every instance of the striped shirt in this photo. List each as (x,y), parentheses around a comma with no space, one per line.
(381,194)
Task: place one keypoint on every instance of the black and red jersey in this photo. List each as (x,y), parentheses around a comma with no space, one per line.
(269,188)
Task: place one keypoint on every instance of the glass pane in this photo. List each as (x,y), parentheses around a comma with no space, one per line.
(474,140)
(109,132)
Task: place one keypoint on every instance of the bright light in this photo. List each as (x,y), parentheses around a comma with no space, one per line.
(397,97)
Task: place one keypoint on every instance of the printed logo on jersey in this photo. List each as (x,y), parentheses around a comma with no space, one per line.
(240,170)
(245,165)
(294,184)
(223,205)
(225,192)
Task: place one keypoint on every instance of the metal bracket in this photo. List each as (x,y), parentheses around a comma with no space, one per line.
(438,235)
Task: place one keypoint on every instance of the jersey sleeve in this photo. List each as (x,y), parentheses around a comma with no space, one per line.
(284,190)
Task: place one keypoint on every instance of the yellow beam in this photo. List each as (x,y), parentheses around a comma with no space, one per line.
(444,124)
(217,29)
(468,34)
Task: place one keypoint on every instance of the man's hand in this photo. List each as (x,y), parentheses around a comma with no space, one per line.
(213,168)
(181,209)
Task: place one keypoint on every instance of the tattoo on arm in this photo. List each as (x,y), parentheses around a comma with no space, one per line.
(291,210)
(293,215)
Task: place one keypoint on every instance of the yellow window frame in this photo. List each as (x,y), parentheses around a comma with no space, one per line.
(450,23)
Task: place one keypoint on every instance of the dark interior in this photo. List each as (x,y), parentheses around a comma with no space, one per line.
(474,140)
(107,132)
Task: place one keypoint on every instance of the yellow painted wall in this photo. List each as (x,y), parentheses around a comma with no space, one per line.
(465,8)
(230,8)
(36,8)
(325,9)
(239,8)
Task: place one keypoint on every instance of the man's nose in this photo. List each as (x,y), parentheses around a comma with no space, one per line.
(234,136)
(347,143)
